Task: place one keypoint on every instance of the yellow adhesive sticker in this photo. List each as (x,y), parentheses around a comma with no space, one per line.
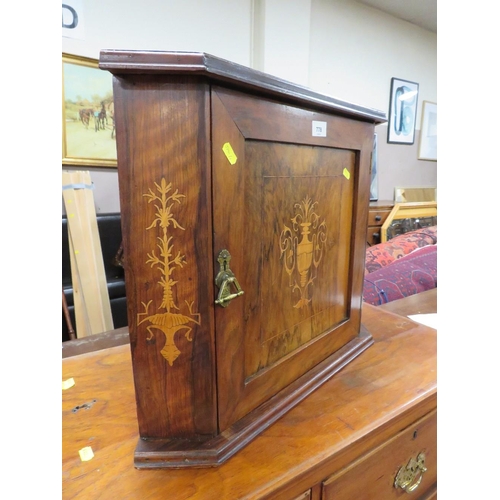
(346,173)
(68,383)
(228,151)
(86,454)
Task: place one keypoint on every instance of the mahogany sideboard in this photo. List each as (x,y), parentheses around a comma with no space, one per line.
(349,439)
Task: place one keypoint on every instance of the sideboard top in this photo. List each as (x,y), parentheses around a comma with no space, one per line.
(122,62)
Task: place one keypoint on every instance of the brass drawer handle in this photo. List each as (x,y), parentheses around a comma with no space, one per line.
(224,279)
(409,477)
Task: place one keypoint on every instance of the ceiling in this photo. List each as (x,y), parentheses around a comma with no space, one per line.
(422,13)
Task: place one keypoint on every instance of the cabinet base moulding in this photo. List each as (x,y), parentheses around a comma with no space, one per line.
(214,451)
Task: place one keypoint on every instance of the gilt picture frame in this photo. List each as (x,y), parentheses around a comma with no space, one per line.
(403,101)
(427,145)
(88,131)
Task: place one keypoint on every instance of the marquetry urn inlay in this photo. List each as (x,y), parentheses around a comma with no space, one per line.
(302,247)
(166,262)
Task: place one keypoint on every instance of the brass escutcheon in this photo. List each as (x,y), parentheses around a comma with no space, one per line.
(409,477)
(224,279)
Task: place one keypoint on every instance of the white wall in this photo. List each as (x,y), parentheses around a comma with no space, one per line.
(338,47)
(281,41)
(362,49)
(219,27)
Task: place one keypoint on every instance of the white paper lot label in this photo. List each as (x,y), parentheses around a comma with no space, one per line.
(318,129)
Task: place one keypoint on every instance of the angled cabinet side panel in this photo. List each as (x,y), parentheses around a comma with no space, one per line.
(163,165)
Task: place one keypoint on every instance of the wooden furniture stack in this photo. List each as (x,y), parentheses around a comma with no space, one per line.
(90,293)
(244,203)
(110,237)
(412,194)
(377,215)
(406,217)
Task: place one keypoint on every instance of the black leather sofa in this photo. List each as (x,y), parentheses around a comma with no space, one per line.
(111,236)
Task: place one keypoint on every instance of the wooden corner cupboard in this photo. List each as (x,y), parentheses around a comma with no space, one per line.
(244,202)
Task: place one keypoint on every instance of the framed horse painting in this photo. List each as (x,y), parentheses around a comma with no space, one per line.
(88,128)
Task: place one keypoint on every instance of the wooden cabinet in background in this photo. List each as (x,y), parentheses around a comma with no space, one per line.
(378,213)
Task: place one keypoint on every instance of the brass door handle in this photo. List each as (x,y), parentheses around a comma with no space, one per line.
(225,279)
(409,477)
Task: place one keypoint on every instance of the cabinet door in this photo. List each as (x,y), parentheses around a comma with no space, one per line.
(288,206)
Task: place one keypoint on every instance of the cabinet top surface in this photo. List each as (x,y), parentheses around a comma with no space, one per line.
(123,62)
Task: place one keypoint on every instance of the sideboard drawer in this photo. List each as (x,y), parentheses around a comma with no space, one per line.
(377,214)
(373,235)
(377,217)
(373,475)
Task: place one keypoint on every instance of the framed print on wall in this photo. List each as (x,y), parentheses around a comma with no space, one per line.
(402,111)
(427,145)
(374,172)
(88,130)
